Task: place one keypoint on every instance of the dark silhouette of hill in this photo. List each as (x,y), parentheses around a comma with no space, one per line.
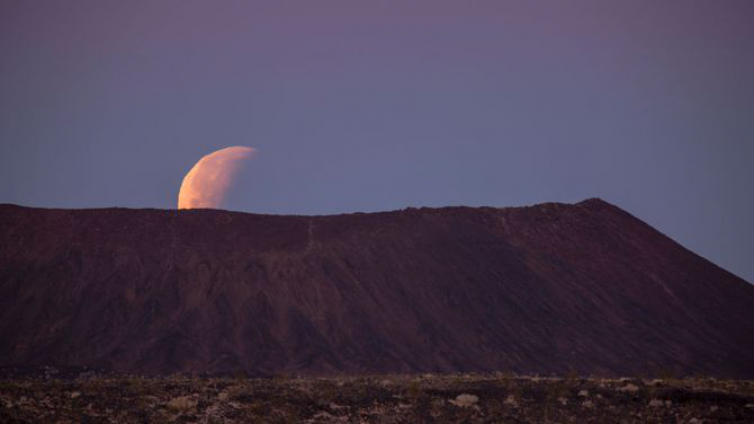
(552,288)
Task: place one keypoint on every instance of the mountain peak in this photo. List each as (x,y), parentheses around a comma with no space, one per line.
(552,288)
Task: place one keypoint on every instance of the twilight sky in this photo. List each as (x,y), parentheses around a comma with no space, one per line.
(365,106)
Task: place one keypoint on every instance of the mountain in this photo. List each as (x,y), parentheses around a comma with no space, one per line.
(551,288)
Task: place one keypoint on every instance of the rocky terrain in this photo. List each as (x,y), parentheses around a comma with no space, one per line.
(92,398)
(550,289)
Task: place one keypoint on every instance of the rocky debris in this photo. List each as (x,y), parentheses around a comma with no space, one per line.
(656,402)
(182,403)
(366,399)
(511,401)
(629,388)
(465,400)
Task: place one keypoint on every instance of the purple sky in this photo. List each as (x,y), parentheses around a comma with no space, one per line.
(364,106)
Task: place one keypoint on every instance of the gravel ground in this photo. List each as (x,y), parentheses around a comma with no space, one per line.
(460,398)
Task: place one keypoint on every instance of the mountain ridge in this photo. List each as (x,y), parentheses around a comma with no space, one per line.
(548,288)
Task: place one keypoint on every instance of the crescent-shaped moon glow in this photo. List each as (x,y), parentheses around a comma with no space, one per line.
(207,183)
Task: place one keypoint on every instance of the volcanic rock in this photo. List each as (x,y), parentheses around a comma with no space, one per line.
(553,288)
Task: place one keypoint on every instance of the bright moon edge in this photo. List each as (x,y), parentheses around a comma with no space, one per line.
(207,183)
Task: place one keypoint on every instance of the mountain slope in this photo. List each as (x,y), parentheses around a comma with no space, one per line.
(551,288)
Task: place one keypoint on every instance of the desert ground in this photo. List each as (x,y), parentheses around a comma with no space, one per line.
(89,397)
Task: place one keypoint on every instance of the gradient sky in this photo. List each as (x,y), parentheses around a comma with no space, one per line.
(365,106)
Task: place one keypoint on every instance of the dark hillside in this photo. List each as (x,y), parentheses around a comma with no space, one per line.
(551,288)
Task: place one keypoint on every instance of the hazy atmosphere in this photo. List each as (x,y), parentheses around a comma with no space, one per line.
(366,106)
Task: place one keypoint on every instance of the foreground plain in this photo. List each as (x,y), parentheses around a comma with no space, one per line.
(472,398)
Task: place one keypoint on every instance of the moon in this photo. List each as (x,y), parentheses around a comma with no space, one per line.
(207,183)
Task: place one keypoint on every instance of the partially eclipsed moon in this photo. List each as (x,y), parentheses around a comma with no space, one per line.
(207,183)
